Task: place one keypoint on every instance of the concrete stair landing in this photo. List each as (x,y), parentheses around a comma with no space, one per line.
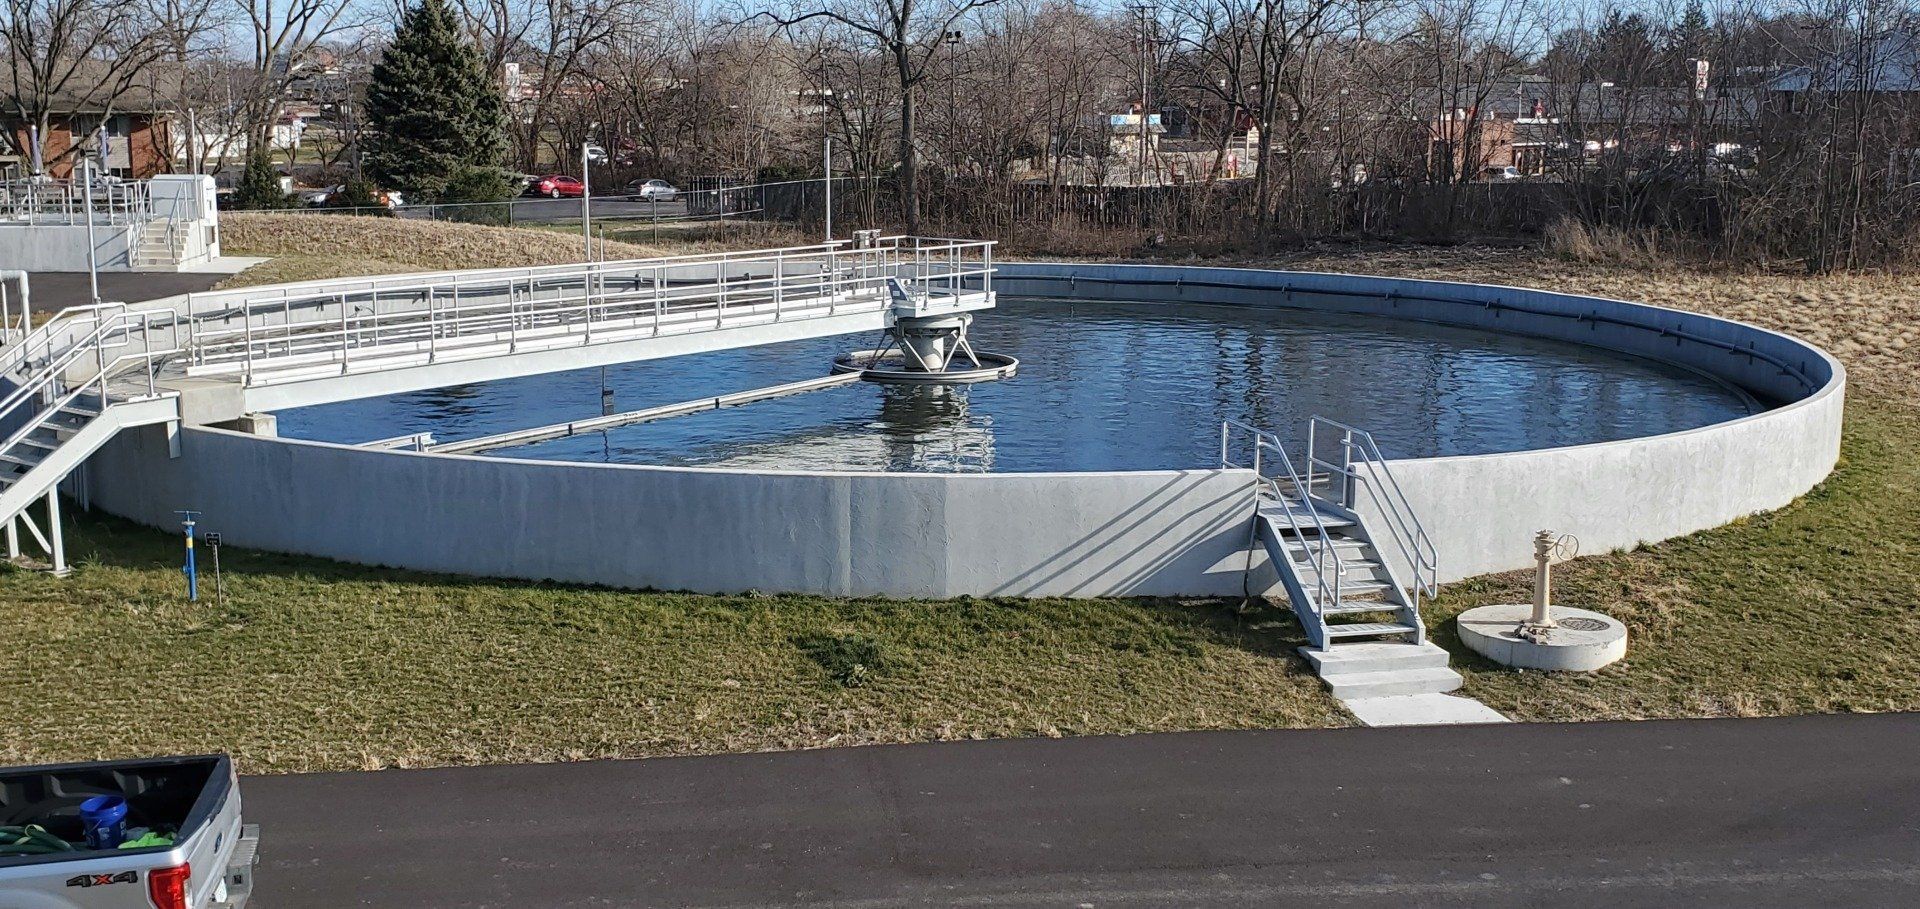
(1396,683)
(1383,668)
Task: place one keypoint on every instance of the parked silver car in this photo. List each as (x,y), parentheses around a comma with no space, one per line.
(653,190)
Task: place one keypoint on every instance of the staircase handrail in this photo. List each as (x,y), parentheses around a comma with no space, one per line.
(49,375)
(14,355)
(1383,489)
(1320,553)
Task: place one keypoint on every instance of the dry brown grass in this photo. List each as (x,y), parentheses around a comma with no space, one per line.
(1583,242)
(313,246)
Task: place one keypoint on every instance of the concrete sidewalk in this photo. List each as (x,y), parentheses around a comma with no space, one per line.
(1782,812)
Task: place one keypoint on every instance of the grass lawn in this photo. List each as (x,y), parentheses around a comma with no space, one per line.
(1810,609)
(313,665)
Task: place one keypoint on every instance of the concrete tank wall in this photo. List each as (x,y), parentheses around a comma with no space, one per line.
(1077,534)
(932,535)
(1481,510)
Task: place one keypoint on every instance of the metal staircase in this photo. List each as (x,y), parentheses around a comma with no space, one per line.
(81,379)
(1351,555)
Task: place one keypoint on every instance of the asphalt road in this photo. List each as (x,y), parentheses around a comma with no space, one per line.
(1789,812)
(54,291)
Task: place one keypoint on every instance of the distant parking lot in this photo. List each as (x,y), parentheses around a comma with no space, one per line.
(554,211)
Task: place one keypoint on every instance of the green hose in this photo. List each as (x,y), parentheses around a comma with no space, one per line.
(32,839)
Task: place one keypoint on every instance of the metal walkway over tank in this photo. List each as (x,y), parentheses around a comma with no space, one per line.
(74,381)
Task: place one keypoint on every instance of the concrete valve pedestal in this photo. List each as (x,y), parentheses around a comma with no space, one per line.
(1538,635)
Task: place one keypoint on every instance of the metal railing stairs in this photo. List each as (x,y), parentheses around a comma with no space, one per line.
(74,395)
(1350,554)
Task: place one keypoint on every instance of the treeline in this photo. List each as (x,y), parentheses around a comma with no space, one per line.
(1745,129)
(1736,129)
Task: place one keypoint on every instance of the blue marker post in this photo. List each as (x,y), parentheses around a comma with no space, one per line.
(193,576)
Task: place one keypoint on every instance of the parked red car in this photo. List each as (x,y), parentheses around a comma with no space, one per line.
(556,185)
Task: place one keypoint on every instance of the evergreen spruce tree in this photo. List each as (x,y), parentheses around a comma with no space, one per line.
(436,121)
(259,185)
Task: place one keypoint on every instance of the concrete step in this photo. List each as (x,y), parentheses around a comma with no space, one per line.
(1422,710)
(1374,656)
(1392,682)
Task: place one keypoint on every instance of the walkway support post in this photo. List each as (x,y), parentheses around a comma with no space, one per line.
(19,278)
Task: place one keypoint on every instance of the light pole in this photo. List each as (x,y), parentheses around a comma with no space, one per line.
(93,249)
(1143,12)
(952,39)
(586,197)
(828,182)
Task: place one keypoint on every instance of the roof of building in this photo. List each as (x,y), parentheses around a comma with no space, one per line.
(1887,63)
(89,89)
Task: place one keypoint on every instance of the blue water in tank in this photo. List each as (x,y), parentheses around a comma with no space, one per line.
(1101,386)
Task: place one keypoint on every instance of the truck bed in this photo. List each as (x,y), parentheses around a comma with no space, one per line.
(209,864)
(176,793)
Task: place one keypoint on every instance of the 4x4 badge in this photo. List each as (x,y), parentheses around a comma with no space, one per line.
(95,880)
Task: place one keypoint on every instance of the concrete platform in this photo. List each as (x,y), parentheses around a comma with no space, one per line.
(224,265)
(1581,641)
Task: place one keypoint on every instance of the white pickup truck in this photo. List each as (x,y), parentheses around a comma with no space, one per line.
(199,855)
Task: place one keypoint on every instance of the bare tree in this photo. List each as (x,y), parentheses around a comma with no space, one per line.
(1257,53)
(555,42)
(909,32)
(72,56)
(288,41)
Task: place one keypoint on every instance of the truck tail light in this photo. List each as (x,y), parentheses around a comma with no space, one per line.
(167,887)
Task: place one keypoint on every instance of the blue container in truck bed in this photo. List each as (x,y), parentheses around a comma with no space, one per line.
(45,862)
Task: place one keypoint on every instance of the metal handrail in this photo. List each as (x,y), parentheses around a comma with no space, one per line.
(20,353)
(453,312)
(48,382)
(47,201)
(1322,555)
(410,308)
(1384,491)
